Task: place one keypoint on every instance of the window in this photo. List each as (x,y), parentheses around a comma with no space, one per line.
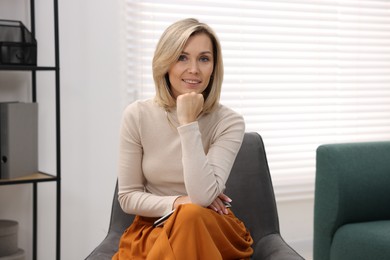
(302,72)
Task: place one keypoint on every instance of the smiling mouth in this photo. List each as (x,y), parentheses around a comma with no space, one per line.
(191,81)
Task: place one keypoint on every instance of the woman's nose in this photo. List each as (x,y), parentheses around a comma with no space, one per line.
(193,67)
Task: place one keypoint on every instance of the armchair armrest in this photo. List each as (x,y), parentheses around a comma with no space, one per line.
(106,248)
(273,247)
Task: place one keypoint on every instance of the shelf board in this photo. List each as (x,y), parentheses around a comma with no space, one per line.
(31,178)
(26,68)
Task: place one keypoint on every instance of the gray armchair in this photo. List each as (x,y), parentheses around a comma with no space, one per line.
(250,188)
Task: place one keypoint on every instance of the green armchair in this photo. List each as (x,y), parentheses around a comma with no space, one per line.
(352,202)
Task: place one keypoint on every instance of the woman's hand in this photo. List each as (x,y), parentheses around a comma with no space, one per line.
(189,106)
(218,204)
(181,200)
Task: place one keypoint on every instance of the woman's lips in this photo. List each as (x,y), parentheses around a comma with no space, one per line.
(192,81)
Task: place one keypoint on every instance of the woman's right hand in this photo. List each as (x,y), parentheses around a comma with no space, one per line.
(217,205)
(189,106)
(181,200)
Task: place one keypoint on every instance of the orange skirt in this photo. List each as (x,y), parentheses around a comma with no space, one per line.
(191,232)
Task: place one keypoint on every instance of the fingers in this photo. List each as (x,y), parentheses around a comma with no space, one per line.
(224,197)
(219,206)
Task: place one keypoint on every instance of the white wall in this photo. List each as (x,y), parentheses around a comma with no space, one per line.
(91,108)
(92,98)
(296,224)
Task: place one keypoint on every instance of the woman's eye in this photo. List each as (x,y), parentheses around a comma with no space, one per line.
(204,59)
(182,58)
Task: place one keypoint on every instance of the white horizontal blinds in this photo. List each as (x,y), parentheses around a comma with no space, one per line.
(302,73)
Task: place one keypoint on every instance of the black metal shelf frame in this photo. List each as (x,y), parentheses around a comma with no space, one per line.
(51,178)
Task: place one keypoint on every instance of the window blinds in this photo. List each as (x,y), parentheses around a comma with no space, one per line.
(301,72)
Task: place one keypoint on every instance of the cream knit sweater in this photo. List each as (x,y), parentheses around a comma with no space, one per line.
(160,160)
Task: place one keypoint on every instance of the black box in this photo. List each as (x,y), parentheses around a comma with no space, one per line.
(17,44)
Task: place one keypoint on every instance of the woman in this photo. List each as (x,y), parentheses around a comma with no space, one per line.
(176,153)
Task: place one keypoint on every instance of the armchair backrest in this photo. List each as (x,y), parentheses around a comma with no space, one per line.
(119,219)
(249,186)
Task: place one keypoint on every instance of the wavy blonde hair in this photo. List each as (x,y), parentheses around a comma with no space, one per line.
(168,50)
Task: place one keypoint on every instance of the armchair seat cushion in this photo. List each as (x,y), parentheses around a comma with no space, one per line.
(362,241)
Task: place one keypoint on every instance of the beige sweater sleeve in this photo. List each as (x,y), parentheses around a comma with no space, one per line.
(205,175)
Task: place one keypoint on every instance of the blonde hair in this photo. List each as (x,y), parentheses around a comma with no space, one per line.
(168,50)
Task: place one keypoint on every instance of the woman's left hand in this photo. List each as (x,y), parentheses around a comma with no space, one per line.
(218,204)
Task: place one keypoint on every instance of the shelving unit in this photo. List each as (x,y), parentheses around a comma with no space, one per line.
(35,178)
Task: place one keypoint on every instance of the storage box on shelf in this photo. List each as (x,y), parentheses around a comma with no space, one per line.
(9,241)
(17,44)
(18,139)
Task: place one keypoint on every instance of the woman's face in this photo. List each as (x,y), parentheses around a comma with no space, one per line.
(192,71)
